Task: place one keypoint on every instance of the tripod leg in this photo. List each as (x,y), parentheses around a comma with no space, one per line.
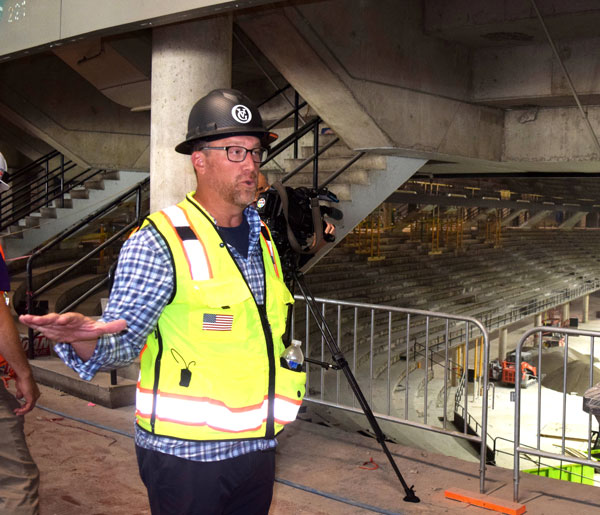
(340,360)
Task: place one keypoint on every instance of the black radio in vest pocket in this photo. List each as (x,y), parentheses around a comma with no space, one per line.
(186,377)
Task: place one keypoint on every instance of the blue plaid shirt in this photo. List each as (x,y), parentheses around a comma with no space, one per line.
(143,285)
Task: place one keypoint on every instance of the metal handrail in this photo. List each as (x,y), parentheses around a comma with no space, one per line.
(294,138)
(57,172)
(22,192)
(42,194)
(333,399)
(31,294)
(31,206)
(518,447)
(43,199)
(34,164)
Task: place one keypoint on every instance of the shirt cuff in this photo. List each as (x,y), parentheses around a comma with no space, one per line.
(86,369)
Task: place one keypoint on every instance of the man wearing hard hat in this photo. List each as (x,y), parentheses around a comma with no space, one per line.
(199,291)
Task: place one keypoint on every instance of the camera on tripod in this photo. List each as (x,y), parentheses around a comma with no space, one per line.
(293,216)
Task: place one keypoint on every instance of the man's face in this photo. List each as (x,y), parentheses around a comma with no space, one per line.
(233,182)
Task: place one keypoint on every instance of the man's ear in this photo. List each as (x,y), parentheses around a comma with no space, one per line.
(198,160)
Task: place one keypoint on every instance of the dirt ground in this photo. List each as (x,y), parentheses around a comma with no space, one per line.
(84,469)
(89,470)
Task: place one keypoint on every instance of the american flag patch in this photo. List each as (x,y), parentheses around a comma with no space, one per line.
(217,322)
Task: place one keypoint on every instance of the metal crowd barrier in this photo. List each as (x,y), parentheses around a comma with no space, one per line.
(549,412)
(381,344)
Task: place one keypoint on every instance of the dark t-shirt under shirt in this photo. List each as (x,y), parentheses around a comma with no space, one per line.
(237,237)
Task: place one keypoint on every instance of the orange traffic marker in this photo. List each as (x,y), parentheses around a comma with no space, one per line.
(486,501)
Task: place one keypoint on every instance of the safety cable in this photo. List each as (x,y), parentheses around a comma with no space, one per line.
(336,497)
(83,421)
(565,71)
(298,486)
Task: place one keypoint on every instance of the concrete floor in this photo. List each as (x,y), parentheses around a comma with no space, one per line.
(88,469)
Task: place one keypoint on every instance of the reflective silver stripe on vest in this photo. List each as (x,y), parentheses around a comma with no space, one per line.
(202,411)
(193,248)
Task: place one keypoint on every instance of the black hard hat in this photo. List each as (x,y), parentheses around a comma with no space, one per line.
(221,113)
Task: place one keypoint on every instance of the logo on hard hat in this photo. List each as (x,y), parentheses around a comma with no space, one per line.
(241,113)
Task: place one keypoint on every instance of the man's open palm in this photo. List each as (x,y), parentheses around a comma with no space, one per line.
(71,327)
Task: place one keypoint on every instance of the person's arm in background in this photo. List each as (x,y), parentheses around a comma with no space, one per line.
(10,348)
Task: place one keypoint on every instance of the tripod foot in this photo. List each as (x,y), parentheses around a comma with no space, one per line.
(410,495)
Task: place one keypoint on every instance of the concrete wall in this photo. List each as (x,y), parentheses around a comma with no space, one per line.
(372,71)
(49,23)
(451,81)
(47,99)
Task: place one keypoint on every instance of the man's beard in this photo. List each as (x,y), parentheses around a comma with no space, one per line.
(236,193)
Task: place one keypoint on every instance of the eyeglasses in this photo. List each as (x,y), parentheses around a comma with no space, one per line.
(237,154)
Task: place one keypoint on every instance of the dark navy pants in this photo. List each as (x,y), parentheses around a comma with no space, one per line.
(176,486)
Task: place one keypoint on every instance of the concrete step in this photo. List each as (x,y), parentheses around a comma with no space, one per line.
(112,175)
(48,212)
(51,371)
(14,231)
(305,176)
(66,203)
(80,193)
(31,221)
(337,150)
(332,164)
(94,184)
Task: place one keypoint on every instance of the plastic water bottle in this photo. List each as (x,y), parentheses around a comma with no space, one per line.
(293,357)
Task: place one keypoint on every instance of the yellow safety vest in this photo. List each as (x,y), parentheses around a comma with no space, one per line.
(210,370)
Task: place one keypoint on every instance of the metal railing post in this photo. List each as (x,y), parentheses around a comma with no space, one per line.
(47,168)
(374,342)
(296,103)
(518,447)
(62,181)
(316,156)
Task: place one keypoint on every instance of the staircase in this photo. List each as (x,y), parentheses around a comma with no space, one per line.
(361,187)
(47,198)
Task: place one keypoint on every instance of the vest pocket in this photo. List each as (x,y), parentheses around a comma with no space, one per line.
(290,388)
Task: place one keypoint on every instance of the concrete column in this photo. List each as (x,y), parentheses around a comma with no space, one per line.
(586,309)
(566,311)
(188,60)
(502,339)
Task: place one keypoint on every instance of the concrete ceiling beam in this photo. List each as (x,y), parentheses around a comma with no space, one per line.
(375,99)
(531,75)
(508,22)
(540,139)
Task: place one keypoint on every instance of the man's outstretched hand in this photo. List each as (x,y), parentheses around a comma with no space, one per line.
(71,327)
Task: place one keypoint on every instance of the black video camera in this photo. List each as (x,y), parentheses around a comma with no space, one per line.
(290,215)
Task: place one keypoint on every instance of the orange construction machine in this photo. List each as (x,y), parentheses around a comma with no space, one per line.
(528,372)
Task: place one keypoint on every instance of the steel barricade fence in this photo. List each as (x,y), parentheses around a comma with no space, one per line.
(541,439)
(388,348)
